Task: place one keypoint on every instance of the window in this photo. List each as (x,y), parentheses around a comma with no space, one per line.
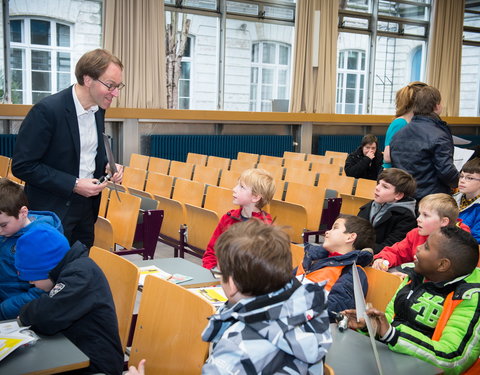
(470,69)
(221,72)
(351,82)
(269,76)
(393,34)
(40,58)
(184,88)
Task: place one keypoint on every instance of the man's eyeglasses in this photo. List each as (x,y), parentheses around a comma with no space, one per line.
(112,87)
(468,178)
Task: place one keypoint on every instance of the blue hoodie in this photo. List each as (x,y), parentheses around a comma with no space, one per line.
(14,293)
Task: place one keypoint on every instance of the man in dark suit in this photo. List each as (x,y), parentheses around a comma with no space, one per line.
(60,153)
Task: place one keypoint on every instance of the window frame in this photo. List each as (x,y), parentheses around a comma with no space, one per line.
(27,47)
(257,104)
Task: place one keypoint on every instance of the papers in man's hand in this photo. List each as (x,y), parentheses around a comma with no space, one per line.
(215,295)
(360,306)
(176,278)
(11,338)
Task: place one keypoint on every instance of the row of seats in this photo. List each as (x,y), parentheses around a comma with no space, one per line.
(325,177)
(167,355)
(298,206)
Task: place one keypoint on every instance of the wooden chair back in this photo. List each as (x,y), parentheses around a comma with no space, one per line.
(219,199)
(297,164)
(170,322)
(351,204)
(104,234)
(365,188)
(181,170)
(310,197)
(275,170)
(381,287)
(228,179)
(159,184)
(206,175)
(280,188)
(123,215)
(218,162)
(298,252)
(248,156)
(158,165)
(329,169)
(241,165)
(337,154)
(303,176)
(139,161)
(200,225)
(122,276)
(342,184)
(197,159)
(320,159)
(134,177)
(340,161)
(102,211)
(174,217)
(267,159)
(4,165)
(187,191)
(294,155)
(328,370)
(292,216)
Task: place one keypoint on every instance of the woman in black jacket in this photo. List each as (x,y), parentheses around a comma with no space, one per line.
(366,161)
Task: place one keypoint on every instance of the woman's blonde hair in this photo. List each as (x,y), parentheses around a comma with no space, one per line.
(405,97)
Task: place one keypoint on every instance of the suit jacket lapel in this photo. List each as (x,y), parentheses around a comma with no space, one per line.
(72,121)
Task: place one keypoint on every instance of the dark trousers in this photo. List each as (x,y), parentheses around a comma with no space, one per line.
(78,223)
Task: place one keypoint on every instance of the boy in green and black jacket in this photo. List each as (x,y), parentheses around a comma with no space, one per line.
(435,313)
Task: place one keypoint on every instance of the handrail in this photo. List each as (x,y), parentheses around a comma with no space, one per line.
(10,111)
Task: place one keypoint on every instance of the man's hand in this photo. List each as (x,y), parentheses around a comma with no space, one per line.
(352,319)
(141,369)
(89,187)
(117,177)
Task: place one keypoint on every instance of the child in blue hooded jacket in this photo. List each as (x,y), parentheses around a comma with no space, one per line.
(16,220)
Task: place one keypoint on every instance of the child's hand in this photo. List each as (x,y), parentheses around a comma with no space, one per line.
(352,319)
(380,264)
(380,319)
(399,274)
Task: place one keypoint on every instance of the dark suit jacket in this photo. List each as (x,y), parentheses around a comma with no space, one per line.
(47,153)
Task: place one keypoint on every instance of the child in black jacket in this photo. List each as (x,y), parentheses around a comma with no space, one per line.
(392,212)
(79,302)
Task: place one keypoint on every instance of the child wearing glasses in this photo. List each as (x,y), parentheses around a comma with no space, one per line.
(468,197)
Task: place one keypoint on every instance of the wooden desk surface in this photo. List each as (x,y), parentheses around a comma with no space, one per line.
(201,276)
(50,355)
(352,353)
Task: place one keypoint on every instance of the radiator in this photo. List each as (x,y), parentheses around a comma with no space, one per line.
(176,147)
(7,144)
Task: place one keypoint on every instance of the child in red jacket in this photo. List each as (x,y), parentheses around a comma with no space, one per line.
(435,211)
(254,190)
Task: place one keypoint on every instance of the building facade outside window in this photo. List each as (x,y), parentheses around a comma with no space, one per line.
(351,73)
(40,52)
(269,78)
(393,34)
